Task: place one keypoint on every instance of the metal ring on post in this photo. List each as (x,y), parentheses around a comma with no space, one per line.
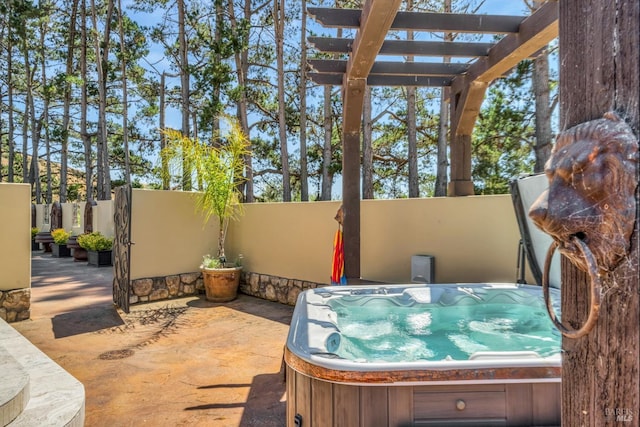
(595,291)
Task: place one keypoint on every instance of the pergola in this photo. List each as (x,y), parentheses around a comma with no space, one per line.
(466,82)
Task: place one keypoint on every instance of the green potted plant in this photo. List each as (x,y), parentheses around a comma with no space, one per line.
(218,168)
(98,248)
(35,246)
(59,247)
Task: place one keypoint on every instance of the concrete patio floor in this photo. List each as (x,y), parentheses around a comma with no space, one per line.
(183,362)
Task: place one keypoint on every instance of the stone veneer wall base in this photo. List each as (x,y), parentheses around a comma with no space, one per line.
(165,287)
(271,288)
(15,305)
(274,288)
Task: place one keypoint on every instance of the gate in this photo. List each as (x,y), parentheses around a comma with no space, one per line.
(122,247)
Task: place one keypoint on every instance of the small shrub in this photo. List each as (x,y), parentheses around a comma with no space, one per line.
(34,231)
(95,242)
(209,262)
(60,236)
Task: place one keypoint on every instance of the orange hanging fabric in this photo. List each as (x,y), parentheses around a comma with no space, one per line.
(337,266)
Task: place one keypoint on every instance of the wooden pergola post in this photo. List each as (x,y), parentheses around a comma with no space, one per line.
(599,72)
(376,20)
(465,101)
(353,95)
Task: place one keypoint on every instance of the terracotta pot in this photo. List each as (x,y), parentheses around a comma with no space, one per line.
(79,253)
(221,284)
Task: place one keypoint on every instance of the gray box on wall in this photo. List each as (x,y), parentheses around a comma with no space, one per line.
(422,269)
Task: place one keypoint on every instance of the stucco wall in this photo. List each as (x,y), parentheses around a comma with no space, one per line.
(293,240)
(43,217)
(68,220)
(103,217)
(473,239)
(169,234)
(15,236)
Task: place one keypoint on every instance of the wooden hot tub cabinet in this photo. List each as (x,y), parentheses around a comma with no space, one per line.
(324,397)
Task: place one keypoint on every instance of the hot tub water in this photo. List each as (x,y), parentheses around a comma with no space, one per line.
(406,324)
(392,333)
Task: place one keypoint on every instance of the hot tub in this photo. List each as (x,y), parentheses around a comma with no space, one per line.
(455,354)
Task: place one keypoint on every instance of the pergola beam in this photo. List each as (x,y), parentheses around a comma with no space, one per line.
(406,47)
(376,19)
(423,21)
(334,79)
(393,68)
(536,32)
(467,90)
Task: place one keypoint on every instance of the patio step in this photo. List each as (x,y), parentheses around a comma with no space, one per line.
(14,388)
(39,392)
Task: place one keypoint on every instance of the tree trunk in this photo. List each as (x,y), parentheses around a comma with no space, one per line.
(599,72)
(304,184)
(242,70)
(7,45)
(25,130)
(184,87)
(543,110)
(440,189)
(367,146)
(86,139)
(30,117)
(327,176)
(414,182)
(279,20)
(66,113)
(102,57)
(125,106)
(10,118)
(217,90)
(543,106)
(44,120)
(163,137)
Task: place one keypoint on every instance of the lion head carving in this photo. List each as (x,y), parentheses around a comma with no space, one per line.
(593,181)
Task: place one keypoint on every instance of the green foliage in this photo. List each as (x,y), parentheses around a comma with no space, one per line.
(34,231)
(60,236)
(210,262)
(218,169)
(504,136)
(95,242)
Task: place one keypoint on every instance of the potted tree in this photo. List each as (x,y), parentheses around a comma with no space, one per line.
(218,168)
(59,247)
(98,248)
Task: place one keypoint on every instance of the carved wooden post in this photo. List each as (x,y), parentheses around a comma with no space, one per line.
(599,72)
(56,215)
(88,215)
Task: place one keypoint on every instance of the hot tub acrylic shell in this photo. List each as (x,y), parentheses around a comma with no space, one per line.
(510,389)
